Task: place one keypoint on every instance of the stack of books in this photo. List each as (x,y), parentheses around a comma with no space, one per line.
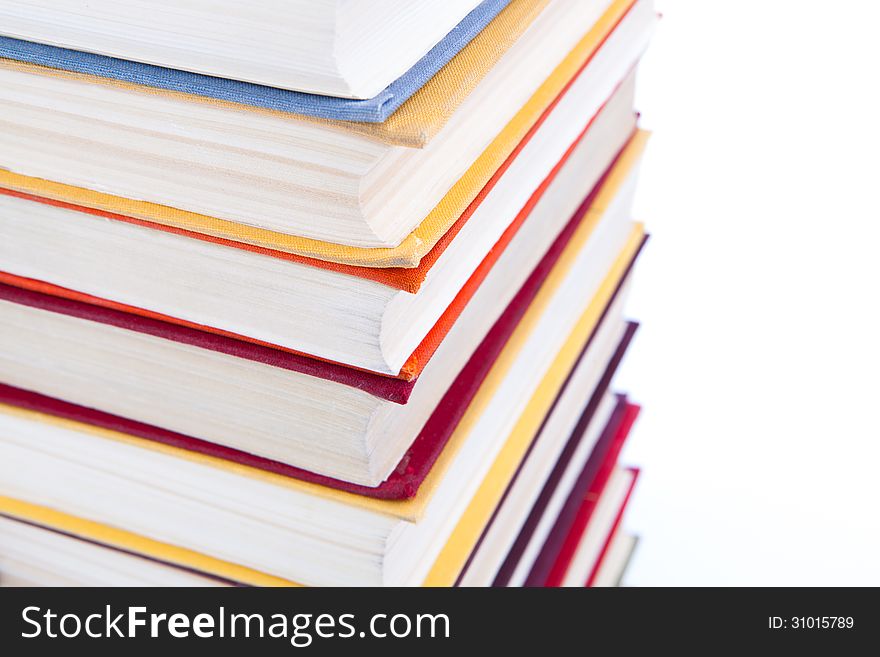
(316,293)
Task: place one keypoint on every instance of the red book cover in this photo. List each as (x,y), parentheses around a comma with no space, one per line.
(588,501)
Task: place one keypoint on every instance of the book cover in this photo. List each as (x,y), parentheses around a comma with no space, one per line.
(373,110)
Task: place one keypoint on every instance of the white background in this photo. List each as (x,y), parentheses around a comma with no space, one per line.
(758,363)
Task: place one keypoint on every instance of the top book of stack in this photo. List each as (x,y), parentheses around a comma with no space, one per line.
(344,48)
(350,239)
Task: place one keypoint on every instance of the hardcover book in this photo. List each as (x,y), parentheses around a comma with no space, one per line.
(329,52)
(413,467)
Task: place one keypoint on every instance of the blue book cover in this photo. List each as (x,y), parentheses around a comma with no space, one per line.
(372,110)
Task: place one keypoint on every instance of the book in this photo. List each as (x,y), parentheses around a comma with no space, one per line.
(278,181)
(31,556)
(331,48)
(375,323)
(309,534)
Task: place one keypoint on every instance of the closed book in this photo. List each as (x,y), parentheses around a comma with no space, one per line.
(405,480)
(334,60)
(615,561)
